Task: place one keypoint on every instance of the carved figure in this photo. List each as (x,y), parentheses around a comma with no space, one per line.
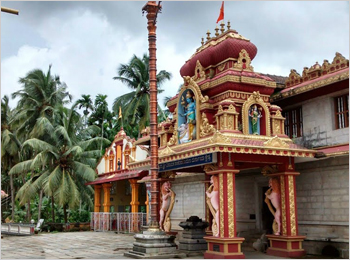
(119,163)
(213,203)
(255,116)
(273,196)
(190,114)
(183,133)
(168,200)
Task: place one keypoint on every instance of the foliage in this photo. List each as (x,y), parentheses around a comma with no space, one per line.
(135,105)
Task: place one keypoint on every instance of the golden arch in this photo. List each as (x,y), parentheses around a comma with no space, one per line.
(255,99)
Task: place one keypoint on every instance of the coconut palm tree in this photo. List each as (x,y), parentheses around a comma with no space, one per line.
(10,147)
(39,96)
(63,162)
(135,105)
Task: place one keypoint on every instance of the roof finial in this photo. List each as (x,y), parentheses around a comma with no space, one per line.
(202,42)
(217,31)
(208,37)
(228,25)
(222,27)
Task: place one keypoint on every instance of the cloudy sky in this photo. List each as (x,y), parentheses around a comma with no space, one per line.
(86,41)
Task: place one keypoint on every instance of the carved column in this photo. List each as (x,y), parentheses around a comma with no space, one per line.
(106,196)
(97,199)
(134,195)
(289,244)
(227,245)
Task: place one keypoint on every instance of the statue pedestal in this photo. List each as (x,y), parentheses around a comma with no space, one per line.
(154,243)
(224,248)
(286,246)
(192,242)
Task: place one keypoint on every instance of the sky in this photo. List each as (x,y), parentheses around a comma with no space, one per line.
(86,41)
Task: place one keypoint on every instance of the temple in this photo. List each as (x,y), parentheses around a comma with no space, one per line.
(248,152)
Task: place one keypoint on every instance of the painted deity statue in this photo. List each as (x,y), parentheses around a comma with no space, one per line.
(273,196)
(190,114)
(254,116)
(213,203)
(168,200)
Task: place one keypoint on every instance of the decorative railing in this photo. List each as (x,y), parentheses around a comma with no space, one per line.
(17,229)
(118,221)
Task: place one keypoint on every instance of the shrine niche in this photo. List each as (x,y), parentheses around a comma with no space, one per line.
(255,116)
(187,115)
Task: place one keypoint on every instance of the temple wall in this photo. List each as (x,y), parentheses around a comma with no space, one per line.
(319,123)
(323,204)
(189,200)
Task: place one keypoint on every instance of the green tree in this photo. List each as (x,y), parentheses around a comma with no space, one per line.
(63,162)
(135,105)
(86,103)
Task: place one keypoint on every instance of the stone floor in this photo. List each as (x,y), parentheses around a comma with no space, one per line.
(80,245)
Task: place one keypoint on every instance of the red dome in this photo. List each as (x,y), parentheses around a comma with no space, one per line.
(228,48)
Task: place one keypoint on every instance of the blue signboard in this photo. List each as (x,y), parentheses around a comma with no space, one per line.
(188,162)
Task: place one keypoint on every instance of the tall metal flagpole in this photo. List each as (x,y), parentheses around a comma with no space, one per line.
(152,9)
(9,10)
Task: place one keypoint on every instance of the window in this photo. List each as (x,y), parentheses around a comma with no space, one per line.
(293,125)
(341,109)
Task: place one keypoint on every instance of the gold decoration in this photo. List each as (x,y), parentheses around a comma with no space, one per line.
(173,140)
(292,205)
(230,202)
(266,170)
(221,210)
(293,79)
(255,98)
(189,83)
(166,151)
(220,138)
(206,128)
(276,142)
(283,202)
(222,67)
(276,127)
(243,62)
(231,108)
(168,174)
(199,73)
(210,167)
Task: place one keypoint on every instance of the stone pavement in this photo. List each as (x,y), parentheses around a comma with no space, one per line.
(80,245)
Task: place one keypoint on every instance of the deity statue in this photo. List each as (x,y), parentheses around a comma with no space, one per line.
(213,203)
(168,200)
(189,107)
(119,163)
(273,196)
(254,120)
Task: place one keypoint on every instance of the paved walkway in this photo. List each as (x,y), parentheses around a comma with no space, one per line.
(79,245)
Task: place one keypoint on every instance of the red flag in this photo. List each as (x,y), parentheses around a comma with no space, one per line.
(221,16)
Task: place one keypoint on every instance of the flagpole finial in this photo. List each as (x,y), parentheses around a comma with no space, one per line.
(228,25)
(222,26)
(217,31)
(208,35)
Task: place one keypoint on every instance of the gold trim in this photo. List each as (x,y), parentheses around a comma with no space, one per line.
(276,142)
(210,167)
(230,206)
(220,138)
(189,83)
(221,211)
(292,205)
(283,200)
(243,55)
(166,151)
(206,128)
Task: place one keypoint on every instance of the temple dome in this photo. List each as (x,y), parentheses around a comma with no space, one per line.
(218,49)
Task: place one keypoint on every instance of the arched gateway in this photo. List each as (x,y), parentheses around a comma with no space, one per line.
(223,125)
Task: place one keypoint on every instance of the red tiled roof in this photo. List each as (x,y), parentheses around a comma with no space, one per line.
(118,176)
(335,150)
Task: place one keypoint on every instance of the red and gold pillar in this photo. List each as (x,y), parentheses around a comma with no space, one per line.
(227,245)
(289,243)
(97,198)
(106,196)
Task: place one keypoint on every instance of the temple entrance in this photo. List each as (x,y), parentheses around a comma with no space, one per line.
(266,215)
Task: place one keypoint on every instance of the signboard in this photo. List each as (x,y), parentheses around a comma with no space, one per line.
(188,162)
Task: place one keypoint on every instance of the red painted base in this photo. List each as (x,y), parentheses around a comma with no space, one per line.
(286,246)
(224,248)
